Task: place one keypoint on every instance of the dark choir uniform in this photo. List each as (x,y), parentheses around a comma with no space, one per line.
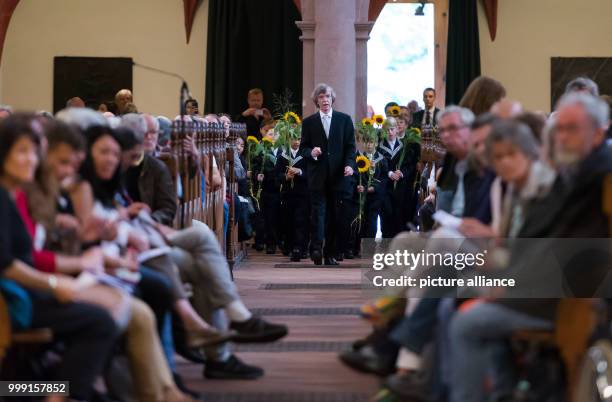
(374,201)
(348,200)
(253,124)
(372,206)
(295,205)
(399,205)
(266,219)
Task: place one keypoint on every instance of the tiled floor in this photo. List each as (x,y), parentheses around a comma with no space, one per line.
(322,320)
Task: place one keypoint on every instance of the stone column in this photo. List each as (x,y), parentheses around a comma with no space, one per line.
(331,52)
(362,35)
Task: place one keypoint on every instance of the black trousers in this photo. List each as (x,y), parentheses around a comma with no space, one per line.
(295,208)
(89,333)
(349,209)
(155,290)
(324,220)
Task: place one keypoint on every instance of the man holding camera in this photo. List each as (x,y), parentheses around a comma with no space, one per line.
(255,114)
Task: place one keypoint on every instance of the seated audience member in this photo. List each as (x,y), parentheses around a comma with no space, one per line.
(5,111)
(103,107)
(191,107)
(582,84)
(148,367)
(506,108)
(463,188)
(201,262)
(84,327)
(536,123)
(255,114)
(75,102)
(482,94)
(122,99)
(573,208)
(164,134)
(102,170)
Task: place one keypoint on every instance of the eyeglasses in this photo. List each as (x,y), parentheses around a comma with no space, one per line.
(450,129)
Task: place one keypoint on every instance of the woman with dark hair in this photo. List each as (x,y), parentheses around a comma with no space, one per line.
(86,329)
(101,169)
(482,94)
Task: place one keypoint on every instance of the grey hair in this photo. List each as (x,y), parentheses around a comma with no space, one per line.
(321,89)
(136,123)
(517,134)
(165,129)
(466,115)
(597,110)
(82,118)
(582,84)
(6,108)
(154,120)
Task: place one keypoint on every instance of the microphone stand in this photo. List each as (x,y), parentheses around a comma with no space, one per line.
(184,94)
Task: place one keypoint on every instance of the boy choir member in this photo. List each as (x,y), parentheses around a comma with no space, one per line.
(295,203)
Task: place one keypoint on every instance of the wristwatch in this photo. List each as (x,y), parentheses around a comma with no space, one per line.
(52,281)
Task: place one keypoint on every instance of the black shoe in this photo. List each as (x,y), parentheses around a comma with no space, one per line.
(295,255)
(193,355)
(270,250)
(183,388)
(257,330)
(409,386)
(231,369)
(316,257)
(286,252)
(331,261)
(304,254)
(340,257)
(258,247)
(367,361)
(349,255)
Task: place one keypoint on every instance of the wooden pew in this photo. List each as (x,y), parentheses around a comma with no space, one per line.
(18,339)
(575,322)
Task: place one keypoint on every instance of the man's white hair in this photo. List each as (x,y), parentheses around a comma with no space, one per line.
(322,89)
(136,123)
(466,115)
(597,110)
(82,118)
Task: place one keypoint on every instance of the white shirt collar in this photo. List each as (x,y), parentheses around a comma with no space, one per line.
(392,143)
(294,152)
(324,114)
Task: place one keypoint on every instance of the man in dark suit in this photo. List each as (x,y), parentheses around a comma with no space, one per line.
(328,145)
(427,116)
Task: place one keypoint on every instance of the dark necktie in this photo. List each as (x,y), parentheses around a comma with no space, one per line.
(428,118)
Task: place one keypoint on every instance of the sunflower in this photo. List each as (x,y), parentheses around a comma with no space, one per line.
(289,116)
(366,121)
(395,111)
(379,119)
(363,163)
(416,131)
(267,140)
(252,139)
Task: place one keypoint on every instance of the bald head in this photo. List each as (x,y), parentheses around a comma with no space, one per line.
(75,102)
(122,98)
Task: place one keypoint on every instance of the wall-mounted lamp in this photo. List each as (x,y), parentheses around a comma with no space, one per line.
(420,11)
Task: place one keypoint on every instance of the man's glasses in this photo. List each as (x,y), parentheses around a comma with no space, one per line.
(450,129)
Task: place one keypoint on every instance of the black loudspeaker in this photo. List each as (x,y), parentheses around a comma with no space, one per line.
(93,79)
